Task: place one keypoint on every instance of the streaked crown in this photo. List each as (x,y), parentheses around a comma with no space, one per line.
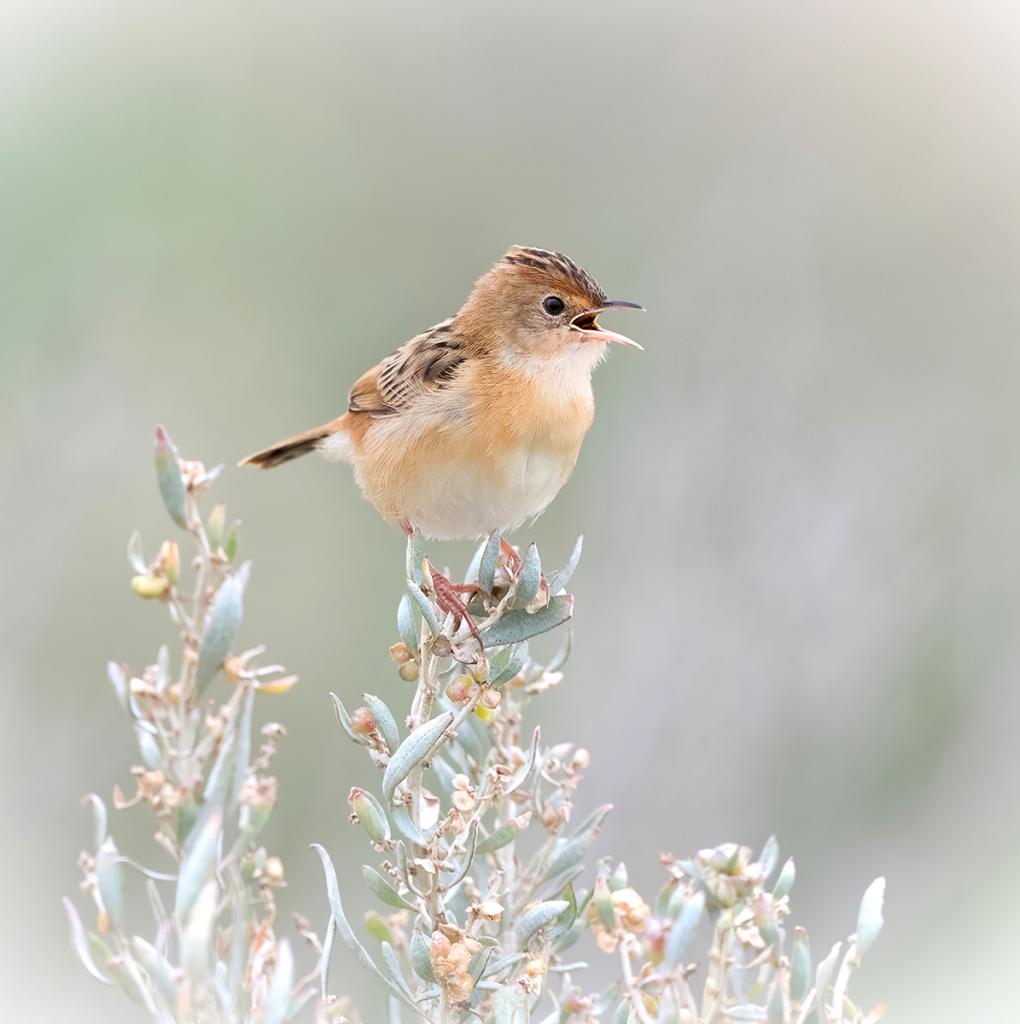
(554,266)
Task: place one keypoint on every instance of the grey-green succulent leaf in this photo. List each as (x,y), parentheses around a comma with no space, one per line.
(559,580)
(414,557)
(415,749)
(80,944)
(99,819)
(510,1006)
(198,866)
(420,952)
(869,917)
(110,877)
(224,620)
(769,857)
(488,562)
(538,917)
(278,997)
(344,718)
(382,889)
(784,883)
(169,478)
(800,966)
(519,625)
(406,625)
(682,931)
(384,721)
(424,606)
(517,660)
(158,968)
(529,578)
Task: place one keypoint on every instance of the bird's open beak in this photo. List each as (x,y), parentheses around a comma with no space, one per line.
(587,323)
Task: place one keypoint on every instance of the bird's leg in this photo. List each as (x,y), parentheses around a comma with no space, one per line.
(447,598)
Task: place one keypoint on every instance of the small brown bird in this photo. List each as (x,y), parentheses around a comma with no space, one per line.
(477,423)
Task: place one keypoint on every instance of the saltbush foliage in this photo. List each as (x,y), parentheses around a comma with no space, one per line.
(476,840)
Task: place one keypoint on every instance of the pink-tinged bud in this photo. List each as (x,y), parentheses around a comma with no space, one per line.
(400,654)
(460,689)
(362,721)
(273,871)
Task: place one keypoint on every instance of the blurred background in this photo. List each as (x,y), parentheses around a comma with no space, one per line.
(798,604)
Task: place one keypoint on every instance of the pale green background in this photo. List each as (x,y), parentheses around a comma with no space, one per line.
(798,606)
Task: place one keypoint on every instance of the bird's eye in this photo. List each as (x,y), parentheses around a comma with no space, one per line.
(553,305)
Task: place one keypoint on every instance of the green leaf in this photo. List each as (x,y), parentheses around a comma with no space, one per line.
(221,628)
(425,607)
(406,625)
(110,878)
(683,928)
(488,563)
(516,661)
(198,866)
(278,997)
(510,1006)
(769,857)
(344,718)
(784,883)
(414,556)
(384,720)
(519,625)
(415,749)
(168,476)
(80,943)
(501,837)
(420,951)
(537,918)
(560,579)
(343,925)
(524,773)
(99,819)
(800,966)
(134,554)
(822,978)
(383,890)
(529,578)
(869,917)
(159,970)
(198,934)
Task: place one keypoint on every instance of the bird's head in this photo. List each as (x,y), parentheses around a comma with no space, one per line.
(541,303)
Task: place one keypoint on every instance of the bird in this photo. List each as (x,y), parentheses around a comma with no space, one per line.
(476,424)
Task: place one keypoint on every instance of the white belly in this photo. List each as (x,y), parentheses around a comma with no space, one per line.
(465,501)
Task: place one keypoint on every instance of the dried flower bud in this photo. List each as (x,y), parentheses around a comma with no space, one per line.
(490,698)
(460,689)
(480,669)
(362,721)
(409,671)
(536,967)
(490,910)
(400,654)
(581,759)
(450,960)
(463,801)
(631,911)
(273,871)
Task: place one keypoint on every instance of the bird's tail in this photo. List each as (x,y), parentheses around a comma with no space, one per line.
(290,448)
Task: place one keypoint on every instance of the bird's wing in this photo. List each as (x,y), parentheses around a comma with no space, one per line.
(426,364)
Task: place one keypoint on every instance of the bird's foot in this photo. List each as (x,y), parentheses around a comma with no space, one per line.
(448,599)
